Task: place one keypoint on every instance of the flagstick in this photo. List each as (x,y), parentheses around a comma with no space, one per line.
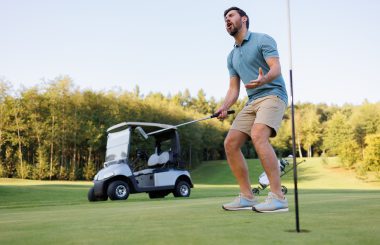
(293,124)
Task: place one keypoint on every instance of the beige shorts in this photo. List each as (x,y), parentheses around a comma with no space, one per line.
(267,110)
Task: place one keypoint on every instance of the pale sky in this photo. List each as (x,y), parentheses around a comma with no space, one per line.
(170,45)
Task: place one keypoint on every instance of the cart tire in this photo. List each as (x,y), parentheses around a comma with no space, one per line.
(284,189)
(91,195)
(256,191)
(118,190)
(103,198)
(92,198)
(182,189)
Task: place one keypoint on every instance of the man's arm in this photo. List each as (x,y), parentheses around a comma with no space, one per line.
(274,71)
(231,96)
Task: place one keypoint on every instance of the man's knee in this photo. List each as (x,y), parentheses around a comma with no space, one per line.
(233,141)
(260,134)
(229,144)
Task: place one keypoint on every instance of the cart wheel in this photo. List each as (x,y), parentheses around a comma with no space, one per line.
(256,191)
(103,198)
(118,190)
(91,195)
(182,189)
(92,198)
(284,189)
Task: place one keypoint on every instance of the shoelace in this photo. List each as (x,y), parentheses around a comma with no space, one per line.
(237,199)
(240,197)
(270,197)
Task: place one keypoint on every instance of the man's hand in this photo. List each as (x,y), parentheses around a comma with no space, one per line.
(222,113)
(261,79)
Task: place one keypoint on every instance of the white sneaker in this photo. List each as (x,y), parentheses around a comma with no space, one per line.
(241,203)
(272,204)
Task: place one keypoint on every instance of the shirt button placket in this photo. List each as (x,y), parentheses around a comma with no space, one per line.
(241,57)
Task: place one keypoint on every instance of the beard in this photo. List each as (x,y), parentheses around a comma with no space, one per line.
(235,28)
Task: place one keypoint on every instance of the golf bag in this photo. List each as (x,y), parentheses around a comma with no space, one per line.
(264,181)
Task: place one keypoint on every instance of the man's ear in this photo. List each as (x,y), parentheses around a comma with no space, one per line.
(244,18)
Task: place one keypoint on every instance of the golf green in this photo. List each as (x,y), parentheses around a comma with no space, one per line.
(331,212)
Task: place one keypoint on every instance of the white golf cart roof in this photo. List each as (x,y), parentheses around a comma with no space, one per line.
(141,124)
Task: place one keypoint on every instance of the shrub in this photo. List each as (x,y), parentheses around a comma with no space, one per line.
(349,153)
(372,152)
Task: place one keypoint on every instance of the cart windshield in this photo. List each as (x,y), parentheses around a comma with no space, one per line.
(117,145)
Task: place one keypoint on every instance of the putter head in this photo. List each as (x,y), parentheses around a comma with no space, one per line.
(142,132)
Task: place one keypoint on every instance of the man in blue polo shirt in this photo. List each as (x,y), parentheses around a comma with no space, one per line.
(254,60)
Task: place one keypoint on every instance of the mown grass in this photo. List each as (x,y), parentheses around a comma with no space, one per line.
(333,213)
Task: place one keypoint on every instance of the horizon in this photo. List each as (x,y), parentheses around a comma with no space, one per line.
(75,87)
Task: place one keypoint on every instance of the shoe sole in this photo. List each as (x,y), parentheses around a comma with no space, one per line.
(271,211)
(237,209)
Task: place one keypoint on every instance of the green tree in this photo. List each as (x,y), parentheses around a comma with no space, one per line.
(298,129)
(365,120)
(35,104)
(338,130)
(89,170)
(10,162)
(59,92)
(372,153)
(311,128)
(349,153)
(18,139)
(5,110)
(200,103)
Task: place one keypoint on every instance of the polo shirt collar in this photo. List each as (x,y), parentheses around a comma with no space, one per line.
(246,38)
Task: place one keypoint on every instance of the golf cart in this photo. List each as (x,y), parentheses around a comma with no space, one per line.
(141,157)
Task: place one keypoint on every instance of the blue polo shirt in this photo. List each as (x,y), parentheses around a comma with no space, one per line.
(244,62)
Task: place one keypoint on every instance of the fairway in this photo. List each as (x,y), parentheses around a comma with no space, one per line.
(335,208)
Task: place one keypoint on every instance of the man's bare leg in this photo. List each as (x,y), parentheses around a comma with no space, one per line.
(260,138)
(232,144)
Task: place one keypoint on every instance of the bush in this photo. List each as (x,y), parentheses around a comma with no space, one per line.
(361,172)
(372,152)
(89,171)
(41,170)
(63,173)
(349,153)
(23,171)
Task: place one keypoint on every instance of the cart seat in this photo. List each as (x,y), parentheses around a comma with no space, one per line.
(158,159)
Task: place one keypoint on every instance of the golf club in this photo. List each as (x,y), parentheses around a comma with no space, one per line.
(146,135)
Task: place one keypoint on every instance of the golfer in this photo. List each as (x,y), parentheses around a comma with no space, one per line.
(254,60)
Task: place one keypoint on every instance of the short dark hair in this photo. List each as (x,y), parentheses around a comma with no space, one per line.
(240,11)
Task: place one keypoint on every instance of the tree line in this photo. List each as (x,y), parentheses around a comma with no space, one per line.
(57,131)
(351,132)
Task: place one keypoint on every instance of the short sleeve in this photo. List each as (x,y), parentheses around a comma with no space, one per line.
(268,47)
(231,69)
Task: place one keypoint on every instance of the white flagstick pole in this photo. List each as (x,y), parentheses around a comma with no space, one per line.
(293,124)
